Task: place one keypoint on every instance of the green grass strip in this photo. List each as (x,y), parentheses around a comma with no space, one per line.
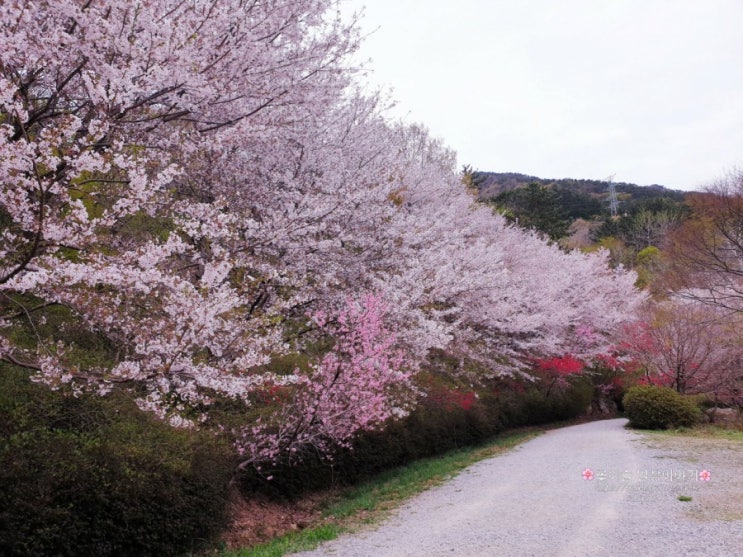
(706,431)
(371,501)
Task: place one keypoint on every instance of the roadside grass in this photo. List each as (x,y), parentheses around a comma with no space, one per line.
(707,431)
(371,501)
(695,441)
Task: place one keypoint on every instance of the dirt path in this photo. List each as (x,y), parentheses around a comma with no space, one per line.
(535,501)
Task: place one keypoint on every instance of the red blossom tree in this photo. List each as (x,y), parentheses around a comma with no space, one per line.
(558,369)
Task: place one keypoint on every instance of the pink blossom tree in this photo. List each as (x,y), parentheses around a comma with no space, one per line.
(357,386)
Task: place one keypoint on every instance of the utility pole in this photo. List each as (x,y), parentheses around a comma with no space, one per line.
(613,201)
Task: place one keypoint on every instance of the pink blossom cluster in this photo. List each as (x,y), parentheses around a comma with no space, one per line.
(357,386)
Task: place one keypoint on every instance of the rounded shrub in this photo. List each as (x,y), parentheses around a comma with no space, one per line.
(89,476)
(653,407)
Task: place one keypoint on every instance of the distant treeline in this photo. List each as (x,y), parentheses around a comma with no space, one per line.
(586,199)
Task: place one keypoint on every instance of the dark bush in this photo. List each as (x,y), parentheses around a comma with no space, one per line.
(450,417)
(90,476)
(652,407)
(429,430)
(434,427)
(535,406)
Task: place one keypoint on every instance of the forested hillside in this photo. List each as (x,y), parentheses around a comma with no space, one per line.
(578,213)
(577,198)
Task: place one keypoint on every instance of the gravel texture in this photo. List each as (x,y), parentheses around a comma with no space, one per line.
(535,501)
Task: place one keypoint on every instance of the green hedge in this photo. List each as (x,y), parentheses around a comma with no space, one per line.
(432,428)
(86,476)
(652,407)
(429,430)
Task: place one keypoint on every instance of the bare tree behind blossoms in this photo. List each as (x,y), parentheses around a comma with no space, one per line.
(689,346)
(707,252)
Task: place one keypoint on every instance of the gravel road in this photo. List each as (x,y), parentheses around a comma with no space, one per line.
(535,501)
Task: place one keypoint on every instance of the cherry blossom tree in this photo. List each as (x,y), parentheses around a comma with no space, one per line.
(193,179)
(108,111)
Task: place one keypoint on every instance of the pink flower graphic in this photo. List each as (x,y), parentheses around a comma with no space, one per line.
(705,476)
(587,474)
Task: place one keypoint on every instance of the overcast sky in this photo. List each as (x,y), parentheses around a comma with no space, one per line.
(650,91)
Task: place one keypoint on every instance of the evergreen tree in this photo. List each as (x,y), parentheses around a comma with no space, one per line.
(535,207)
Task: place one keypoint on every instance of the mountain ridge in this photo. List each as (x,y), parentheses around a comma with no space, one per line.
(490,184)
(576,198)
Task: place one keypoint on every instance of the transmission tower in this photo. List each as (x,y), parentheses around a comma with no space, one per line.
(613,201)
